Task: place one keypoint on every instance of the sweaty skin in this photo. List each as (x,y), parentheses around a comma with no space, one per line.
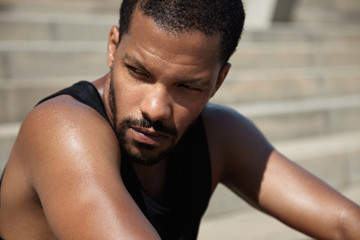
(63,176)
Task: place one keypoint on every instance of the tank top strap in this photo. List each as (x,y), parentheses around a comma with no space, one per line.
(85,92)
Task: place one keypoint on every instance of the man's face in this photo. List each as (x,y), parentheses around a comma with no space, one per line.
(160,82)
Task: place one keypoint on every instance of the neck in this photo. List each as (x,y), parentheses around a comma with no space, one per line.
(103,86)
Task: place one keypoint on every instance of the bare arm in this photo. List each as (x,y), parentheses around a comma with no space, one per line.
(73,164)
(304,202)
(254,170)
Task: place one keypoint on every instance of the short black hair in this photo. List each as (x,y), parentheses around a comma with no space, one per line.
(211,17)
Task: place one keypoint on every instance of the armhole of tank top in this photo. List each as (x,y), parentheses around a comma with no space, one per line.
(206,152)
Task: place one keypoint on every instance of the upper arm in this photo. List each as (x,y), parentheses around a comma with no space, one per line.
(254,170)
(72,157)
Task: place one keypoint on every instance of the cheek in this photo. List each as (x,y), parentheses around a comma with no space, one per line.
(127,99)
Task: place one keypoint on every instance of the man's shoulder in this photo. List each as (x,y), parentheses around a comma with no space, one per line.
(228,130)
(223,117)
(60,111)
(61,120)
(63,132)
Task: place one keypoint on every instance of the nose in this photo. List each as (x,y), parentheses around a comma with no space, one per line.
(156,104)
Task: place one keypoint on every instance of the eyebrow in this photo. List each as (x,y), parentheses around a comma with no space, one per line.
(196,81)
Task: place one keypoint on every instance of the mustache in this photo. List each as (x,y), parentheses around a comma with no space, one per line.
(158,126)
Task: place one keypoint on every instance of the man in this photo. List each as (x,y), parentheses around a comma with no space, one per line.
(137,153)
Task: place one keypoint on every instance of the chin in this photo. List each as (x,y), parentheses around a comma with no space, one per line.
(144,155)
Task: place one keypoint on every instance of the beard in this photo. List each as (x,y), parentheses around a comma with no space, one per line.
(146,154)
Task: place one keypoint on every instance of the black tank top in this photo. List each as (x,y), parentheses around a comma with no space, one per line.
(188,187)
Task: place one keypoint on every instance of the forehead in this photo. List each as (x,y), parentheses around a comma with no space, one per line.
(180,47)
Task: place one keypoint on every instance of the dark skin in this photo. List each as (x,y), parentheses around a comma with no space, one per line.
(63,176)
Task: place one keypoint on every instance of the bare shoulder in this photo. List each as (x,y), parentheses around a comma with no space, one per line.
(63,119)
(62,126)
(238,149)
(225,118)
(231,129)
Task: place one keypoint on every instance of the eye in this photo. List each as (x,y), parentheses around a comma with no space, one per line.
(135,71)
(189,87)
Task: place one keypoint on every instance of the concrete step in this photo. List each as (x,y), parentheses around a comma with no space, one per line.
(57,25)
(283,55)
(17,98)
(48,26)
(327,11)
(23,59)
(299,32)
(109,6)
(8,132)
(281,120)
(38,59)
(333,158)
(249,85)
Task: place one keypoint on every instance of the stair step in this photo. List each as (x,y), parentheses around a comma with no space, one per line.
(49,59)
(280,120)
(55,26)
(110,6)
(295,32)
(19,96)
(16,103)
(296,106)
(280,54)
(58,17)
(247,85)
(325,11)
(8,132)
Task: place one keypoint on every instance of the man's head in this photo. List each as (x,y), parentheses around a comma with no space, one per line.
(164,69)
(211,17)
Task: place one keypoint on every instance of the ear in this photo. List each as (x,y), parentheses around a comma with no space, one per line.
(112,45)
(222,75)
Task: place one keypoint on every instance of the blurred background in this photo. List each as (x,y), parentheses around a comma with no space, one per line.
(296,74)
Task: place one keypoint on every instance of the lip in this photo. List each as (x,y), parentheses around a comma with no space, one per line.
(147,136)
